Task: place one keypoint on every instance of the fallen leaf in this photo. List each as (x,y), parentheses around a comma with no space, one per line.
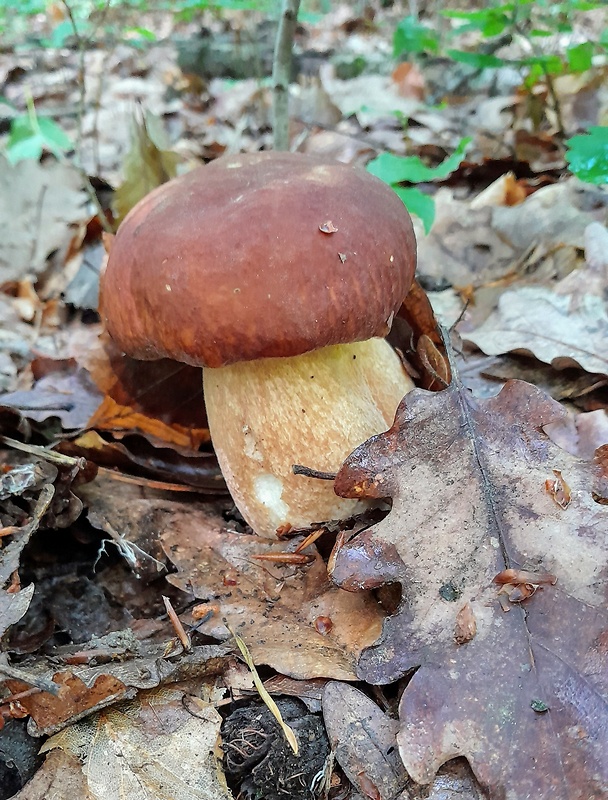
(132,516)
(86,689)
(60,776)
(581,434)
(163,399)
(151,749)
(148,164)
(13,606)
(39,204)
(365,742)
(137,454)
(272,607)
(536,320)
(68,394)
(467,479)
(363,738)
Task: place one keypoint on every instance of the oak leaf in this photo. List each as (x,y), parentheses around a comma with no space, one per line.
(524,698)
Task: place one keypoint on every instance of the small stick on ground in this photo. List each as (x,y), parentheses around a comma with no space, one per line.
(44,684)
(177,625)
(299,469)
(281,72)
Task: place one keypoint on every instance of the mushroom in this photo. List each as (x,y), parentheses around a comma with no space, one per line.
(279,274)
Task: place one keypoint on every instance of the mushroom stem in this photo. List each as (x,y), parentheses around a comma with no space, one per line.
(314,409)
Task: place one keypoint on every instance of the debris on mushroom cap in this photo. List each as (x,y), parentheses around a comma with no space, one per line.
(227,263)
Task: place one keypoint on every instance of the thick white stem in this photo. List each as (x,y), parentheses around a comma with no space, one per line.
(314,409)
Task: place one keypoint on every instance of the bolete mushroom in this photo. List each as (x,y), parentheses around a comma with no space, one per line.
(279,274)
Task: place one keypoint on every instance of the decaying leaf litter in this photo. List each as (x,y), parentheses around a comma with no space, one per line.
(489,571)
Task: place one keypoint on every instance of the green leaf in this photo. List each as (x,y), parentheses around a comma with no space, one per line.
(412,37)
(496,25)
(587,155)
(30,136)
(481,17)
(580,57)
(61,33)
(533,77)
(399,169)
(418,203)
(141,33)
(24,148)
(549,64)
(478,60)
(53,136)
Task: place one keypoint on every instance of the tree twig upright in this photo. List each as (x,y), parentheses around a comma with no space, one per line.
(281,72)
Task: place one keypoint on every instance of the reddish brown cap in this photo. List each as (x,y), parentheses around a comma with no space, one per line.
(230,262)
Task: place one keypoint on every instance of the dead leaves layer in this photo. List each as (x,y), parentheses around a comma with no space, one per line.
(273,607)
(524,699)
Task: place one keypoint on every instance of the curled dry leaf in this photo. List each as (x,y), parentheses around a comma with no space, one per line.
(467,479)
(363,736)
(273,607)
(564,326)
(161,399)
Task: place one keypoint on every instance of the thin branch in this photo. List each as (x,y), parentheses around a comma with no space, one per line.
(298,469)
(44,684)
(81,44)
(281,72)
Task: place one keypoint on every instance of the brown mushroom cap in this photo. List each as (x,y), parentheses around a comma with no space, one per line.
(229,263)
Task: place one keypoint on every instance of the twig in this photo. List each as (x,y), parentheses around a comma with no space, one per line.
(177,625)
(298,469)
(81,44)
(44,453)
(44,684)
(281,72)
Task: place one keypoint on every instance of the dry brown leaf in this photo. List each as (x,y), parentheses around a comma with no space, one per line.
(151,749)
(272,607)
(364,740)
(59,777)
(533,319)
(39,205)
(148,164)
(467,479)
(161,399)
(86,689)
(66,393)
(137,453)
(581,434)
(479,245)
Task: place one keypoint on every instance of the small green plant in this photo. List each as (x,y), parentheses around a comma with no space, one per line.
(500,23)
(31,135)
(587,155)
(398,171)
